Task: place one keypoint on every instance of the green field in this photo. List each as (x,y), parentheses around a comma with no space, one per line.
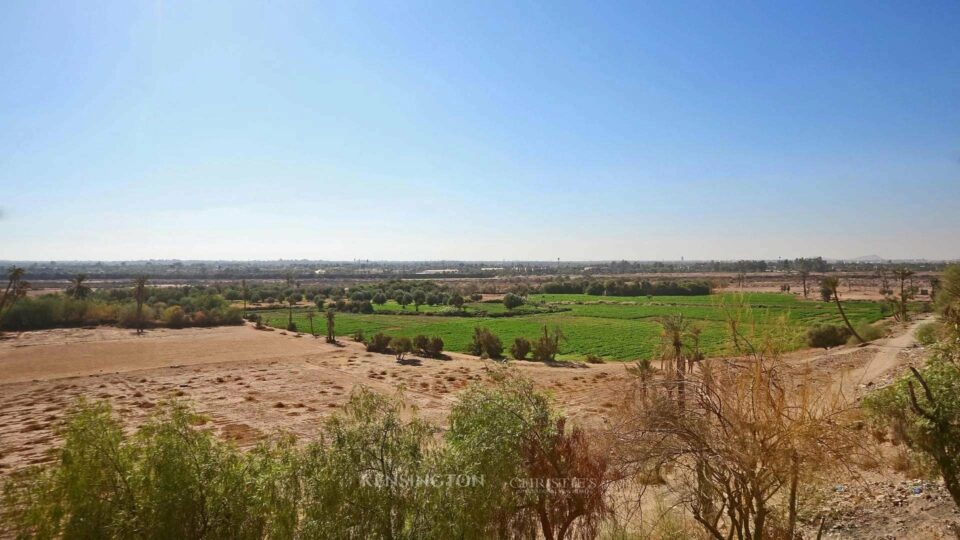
(621,328)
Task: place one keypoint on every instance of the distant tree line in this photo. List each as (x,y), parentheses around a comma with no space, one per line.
(613,287)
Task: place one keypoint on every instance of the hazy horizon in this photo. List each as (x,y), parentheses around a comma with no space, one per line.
(486,132)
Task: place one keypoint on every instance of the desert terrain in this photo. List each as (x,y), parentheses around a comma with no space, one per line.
(249,383)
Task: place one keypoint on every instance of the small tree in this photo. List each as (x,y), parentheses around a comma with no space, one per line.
(379,299)
(310,316)
(16,289)
(331,333)
(520,348)
(486,343)
(140,296)
(421,343)
(419,297)
(511,301)
(456,300)
(404,299)
(401,346)
(545,349)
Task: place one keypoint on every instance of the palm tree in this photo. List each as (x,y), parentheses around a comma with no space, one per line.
(833,284)
(331,334)
(804,274)
(77,289)
(243,292)
(672,339)
(902,276)
(140,295)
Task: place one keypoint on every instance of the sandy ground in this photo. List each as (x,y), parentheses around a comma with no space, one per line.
(250,383)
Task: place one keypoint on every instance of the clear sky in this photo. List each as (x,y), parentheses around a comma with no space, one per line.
(485,130)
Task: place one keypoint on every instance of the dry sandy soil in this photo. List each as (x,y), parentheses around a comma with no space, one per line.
(251,383)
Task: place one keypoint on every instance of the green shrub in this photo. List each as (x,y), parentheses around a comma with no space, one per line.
(547,346)
(358,335)
(421,343)
(291,326)
(594,359)
(401,346)
(435,348)
(827,335)
(379,343)
(485,343)
(868,332)
(928,333)
(520,348)
(174,317)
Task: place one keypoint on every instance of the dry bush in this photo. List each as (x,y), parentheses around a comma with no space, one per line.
(744,435)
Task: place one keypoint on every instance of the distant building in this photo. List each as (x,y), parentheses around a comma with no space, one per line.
(439,271)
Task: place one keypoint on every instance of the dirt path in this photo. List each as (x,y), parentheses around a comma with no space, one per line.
(884,357)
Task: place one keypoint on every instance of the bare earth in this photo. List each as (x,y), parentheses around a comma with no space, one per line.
(251,383)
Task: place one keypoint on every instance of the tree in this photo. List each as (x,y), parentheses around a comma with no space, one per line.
(244,293)
(310,316)
(832,284)
(140,296)
(379,299)
(511,300)
(902,275)
(804,275)
(16,289)
(331,333)
(419,297)
(404,299)
(77,288)
(674,336)
(456,300)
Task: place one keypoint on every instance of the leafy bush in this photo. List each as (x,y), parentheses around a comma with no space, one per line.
(827,335)
(358,335)
(174,317)
(401,346)
(511,301)
(928,333)
(379,343)
(435,349)
(868,332)
(594,359)
(421,343)
(486,343)
(547,345)
(922,410)
(520,348)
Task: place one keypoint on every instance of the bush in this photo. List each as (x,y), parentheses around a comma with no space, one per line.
(827,335)
(401,346)
(486,343)
(435,348)
(548,345)
(520,348)
(358,335)
(928,333)
(594,359)
(421,343)
(511,301)
(291,326)
(174,317)
(868,332)
(379,343)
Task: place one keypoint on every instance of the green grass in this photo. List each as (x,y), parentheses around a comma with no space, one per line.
(620,328)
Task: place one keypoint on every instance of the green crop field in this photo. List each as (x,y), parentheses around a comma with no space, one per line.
(621,328)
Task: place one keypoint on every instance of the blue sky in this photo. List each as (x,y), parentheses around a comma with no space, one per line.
(487,130)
